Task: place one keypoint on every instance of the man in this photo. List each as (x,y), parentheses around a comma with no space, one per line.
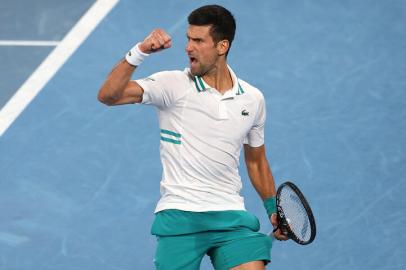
(205,114)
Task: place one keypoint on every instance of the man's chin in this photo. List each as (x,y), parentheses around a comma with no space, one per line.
(196,72)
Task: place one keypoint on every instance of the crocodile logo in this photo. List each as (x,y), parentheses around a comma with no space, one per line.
(245,113)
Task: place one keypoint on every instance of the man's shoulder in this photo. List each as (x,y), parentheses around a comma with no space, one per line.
(175,77)
(250,89)
(175,73)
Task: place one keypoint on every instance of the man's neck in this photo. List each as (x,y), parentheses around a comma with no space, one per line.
(219,78)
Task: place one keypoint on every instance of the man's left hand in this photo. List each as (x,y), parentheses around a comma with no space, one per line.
(278,234)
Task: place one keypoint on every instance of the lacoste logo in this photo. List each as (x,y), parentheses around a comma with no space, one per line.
(245,113)
(129,53)
(149,79)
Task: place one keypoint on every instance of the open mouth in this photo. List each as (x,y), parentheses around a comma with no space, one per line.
(192,60)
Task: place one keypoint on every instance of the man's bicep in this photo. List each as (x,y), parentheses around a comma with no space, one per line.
(132,94)
(253,154)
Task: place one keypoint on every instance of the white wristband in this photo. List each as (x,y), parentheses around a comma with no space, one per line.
(135,56)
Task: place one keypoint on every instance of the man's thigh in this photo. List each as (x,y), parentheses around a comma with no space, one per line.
(181,252)
(241,248)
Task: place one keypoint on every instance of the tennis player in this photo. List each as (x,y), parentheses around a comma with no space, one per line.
(206,114)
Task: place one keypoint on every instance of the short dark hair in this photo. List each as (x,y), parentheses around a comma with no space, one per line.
(221,20)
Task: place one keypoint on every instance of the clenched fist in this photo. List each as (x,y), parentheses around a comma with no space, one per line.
(156,41)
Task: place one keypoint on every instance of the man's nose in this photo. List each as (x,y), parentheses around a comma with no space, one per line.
(188,47)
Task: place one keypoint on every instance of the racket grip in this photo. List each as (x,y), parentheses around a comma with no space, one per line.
(284,231)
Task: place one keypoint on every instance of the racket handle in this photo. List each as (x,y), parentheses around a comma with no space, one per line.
(284,231)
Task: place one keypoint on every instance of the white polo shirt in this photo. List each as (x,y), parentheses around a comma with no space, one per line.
(202,133)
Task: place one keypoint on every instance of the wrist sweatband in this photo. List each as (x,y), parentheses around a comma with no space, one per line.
(270,205)
(135,56)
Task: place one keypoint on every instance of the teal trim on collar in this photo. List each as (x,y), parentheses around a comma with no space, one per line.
(200,86)
(197,86)
(240,90)
(199,79)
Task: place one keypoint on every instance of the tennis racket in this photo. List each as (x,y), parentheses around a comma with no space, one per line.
(295,217)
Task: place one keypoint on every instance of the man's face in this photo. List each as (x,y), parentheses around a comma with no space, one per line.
(201,50)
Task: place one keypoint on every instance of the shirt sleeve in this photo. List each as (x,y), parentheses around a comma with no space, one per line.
(255,136)
(162,89)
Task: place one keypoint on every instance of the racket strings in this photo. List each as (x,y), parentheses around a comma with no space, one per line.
(295,214)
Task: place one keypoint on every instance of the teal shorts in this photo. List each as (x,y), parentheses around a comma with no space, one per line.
(229,238)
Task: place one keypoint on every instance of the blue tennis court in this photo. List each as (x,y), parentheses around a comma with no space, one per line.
(79,181)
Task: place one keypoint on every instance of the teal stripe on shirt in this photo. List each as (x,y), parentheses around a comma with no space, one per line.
(168,132)
(170,140)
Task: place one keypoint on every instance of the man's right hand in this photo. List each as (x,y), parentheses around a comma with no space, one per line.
(158,40)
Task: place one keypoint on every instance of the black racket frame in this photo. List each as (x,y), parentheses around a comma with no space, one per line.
(282,222)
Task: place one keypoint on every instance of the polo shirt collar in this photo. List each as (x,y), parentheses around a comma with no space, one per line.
(201,85)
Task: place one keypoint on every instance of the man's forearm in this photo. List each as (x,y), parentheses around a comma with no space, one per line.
(259,171)
(261,178)
(118,89)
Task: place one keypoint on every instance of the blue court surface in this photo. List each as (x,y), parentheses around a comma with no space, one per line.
(79,181)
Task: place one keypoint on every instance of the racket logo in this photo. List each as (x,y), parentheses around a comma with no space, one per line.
(280,211)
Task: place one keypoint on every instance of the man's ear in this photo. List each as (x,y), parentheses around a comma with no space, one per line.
(223,46)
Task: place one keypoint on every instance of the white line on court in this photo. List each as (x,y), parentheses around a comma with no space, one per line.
(46,43)
(54,61)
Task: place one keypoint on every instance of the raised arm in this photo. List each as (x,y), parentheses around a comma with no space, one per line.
(118,88)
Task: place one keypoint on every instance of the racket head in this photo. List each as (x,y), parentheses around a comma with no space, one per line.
(295,216)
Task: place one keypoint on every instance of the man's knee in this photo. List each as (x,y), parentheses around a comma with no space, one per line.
(255,265)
